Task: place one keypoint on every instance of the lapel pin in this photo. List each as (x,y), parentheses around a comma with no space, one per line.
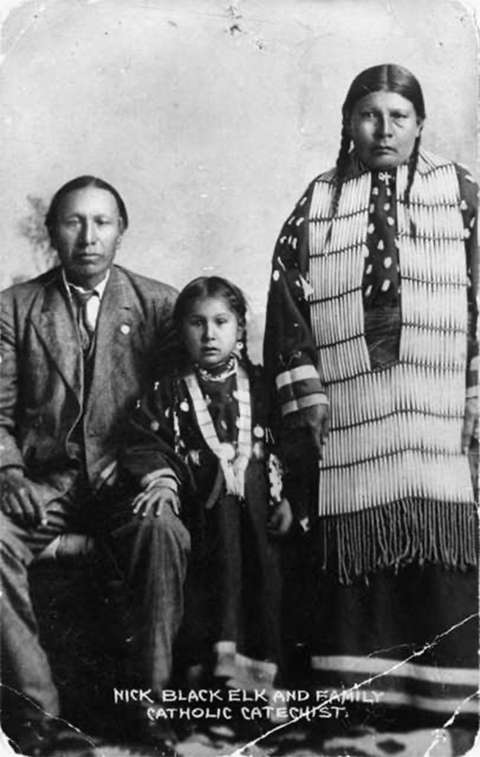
(125,328)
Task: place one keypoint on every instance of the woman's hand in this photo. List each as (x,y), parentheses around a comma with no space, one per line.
(319,425)
(314,421)
(154,499)
(281,519)
(470,423)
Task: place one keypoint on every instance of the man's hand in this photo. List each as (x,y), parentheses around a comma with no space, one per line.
(18,498)
(154,500)
(281,519)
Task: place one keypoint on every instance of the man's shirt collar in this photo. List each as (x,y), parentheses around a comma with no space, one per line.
(99,289)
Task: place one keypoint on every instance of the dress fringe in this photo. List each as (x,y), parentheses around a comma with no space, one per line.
(399,534)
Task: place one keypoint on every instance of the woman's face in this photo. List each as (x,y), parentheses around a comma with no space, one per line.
(383,127)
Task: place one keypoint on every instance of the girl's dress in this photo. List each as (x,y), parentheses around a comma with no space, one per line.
(376,308)
(193,423)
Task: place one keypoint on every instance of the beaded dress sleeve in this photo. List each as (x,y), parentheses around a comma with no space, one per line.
(150,445)
(289,348)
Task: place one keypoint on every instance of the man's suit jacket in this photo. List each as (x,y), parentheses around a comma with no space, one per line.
(41,370)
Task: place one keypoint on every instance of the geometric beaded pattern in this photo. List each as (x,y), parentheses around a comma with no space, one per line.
(395,432)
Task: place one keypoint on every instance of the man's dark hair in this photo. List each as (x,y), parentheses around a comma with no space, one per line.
(80,183)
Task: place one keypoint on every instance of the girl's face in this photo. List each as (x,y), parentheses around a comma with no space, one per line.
(384,126)
(210,331)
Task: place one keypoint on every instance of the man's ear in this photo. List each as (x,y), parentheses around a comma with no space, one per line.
(121,229)
(51,237)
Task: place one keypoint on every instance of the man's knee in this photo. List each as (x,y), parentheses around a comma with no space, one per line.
(166,526)
(13,541)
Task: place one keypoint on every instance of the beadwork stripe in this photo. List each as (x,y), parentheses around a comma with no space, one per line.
(384,479)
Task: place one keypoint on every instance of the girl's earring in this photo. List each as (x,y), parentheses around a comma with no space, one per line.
(240,346)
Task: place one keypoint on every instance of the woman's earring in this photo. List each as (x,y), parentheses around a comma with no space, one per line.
(240,346)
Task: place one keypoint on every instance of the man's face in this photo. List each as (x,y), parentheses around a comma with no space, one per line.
(86,234)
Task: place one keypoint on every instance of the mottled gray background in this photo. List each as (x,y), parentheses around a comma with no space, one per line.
(210,117)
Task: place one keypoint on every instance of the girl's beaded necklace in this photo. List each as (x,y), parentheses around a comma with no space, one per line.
(233,458)
(228,370)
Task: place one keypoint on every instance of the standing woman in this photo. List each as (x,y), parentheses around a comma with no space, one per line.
(370,332)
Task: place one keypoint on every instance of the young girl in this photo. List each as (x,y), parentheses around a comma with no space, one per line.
(201,445)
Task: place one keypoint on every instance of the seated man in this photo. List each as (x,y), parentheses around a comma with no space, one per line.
(77,348)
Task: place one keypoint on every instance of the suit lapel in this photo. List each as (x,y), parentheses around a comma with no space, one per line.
(115,325)
(114,322)
(57,330)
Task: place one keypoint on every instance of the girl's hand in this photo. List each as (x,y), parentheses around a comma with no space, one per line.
(281,519)
(154,500)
